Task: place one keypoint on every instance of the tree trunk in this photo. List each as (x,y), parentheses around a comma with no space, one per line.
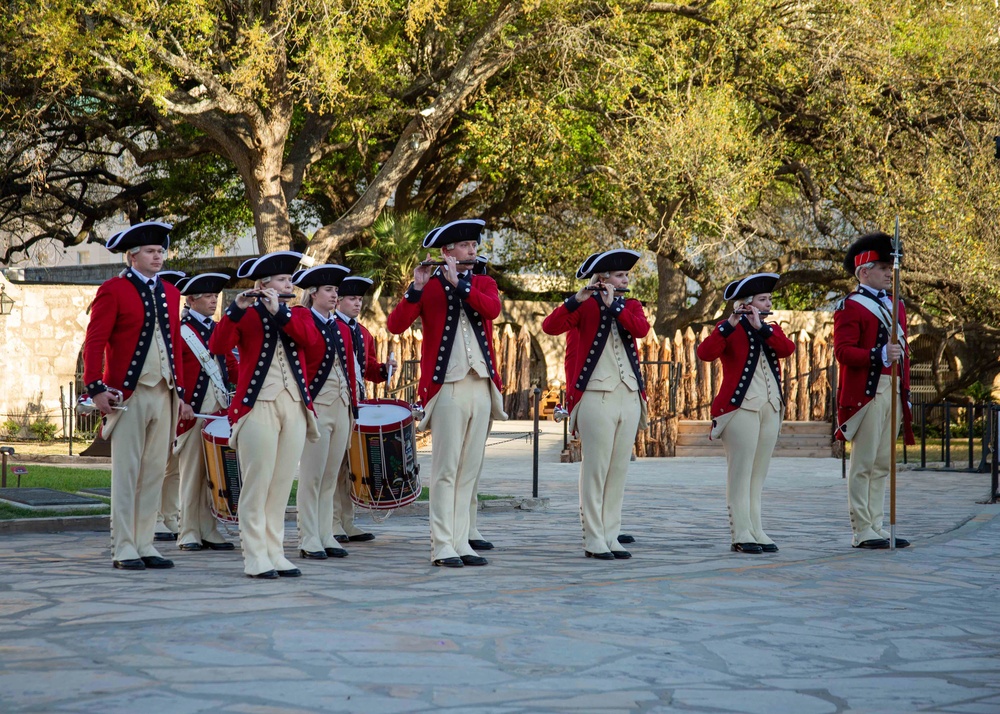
(672,310)
(267,200)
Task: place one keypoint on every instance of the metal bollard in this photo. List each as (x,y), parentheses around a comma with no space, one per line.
(534,467)
(5,451)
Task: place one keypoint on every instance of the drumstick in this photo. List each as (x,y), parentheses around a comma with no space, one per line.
(388,370)
(210,416)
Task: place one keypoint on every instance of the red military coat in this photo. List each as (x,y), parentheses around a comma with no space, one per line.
(740,348)
(589,325)
(858,338)
(437,306)
(331,351)
(195,377)
(256,334)
(119,334)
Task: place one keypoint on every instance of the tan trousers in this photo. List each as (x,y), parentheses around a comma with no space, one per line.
(319,470)
(871,455)
(607,423)
(460,425)
(474,533)
(168,518)
(749,440)
(268,445)
(343,506)
(140,444)
(197,521)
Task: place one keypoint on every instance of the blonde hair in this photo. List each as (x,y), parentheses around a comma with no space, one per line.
(857,270)
(307,296)
(740,302)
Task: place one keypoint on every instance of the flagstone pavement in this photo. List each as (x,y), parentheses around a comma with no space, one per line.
(684,626)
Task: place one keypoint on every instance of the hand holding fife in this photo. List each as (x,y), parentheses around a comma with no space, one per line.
(450,270)
(243,302)
(270,300)
(421,274)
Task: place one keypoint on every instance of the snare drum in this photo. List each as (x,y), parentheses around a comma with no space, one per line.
(224,478)
(383,456)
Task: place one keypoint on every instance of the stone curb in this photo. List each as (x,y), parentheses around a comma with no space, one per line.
(62,459)
(60,524)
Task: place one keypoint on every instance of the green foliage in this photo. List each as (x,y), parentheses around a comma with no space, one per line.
(980,393)
(392,251)
(11,428)
(43,429)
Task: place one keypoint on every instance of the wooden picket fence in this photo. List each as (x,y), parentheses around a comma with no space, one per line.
(679,386)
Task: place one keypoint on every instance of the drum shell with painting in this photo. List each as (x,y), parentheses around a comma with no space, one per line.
(382,456)
(223,469)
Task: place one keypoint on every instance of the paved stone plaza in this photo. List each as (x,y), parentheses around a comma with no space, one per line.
(684,626)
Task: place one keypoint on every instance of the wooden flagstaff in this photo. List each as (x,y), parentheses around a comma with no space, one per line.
(894,383)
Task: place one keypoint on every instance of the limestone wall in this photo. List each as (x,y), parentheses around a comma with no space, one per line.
(39,344)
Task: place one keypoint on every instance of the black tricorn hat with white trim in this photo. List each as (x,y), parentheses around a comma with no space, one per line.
(173,277)
(612,260)
(146,233)
(355,286)
(204,284)
(282,262)
(584,270)
(319,275)
(456,232)
(870,248)
(750,285)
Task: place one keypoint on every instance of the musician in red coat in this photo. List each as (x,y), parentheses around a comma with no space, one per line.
(861,328)
(207,377)
(168,517)
(458,383)
(366,368)
(747,411)
(272,413)
(605,394)
(134,330)
(330,376)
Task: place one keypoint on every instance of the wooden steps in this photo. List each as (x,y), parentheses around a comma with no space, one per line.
(808,439)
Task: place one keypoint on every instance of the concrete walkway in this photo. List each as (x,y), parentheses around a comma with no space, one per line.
(684,626)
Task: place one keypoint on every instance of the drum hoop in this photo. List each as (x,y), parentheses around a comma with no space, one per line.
(381,428)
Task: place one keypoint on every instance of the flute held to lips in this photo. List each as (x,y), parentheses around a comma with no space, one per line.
(256,294)
(761,313)
(619,291)
(441,262)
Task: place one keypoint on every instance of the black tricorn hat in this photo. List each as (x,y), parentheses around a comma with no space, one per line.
(282,262)
(355,285)
(611,260)
(204,284)
(146,233)
(870,248)
(584,270)
(171,276)
(455,232)
(318,275)
(750,285)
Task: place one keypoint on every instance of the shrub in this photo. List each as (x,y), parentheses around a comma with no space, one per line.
(43,429)
(11,428)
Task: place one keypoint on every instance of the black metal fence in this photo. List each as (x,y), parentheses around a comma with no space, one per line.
(954,437)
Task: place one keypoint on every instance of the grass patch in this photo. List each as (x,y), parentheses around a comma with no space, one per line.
(8,512)
(61,478)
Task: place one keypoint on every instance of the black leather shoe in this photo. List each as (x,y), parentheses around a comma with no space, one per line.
(190,547)
(342,538)
(873,544)
(474,560)
(224,545)
(625,538)
(600,556)
(292,573)
(768,547)
(164,536)
(359,538)
(130,564)
(747,548)
(336,552)
(480,545)
(266,575)
(313,554)
(156,562)
(902,542)
(621,554)
(450,562)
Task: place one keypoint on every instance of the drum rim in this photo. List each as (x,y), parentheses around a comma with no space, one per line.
(381,428)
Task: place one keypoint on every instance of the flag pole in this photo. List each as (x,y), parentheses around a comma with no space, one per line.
(894,383)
